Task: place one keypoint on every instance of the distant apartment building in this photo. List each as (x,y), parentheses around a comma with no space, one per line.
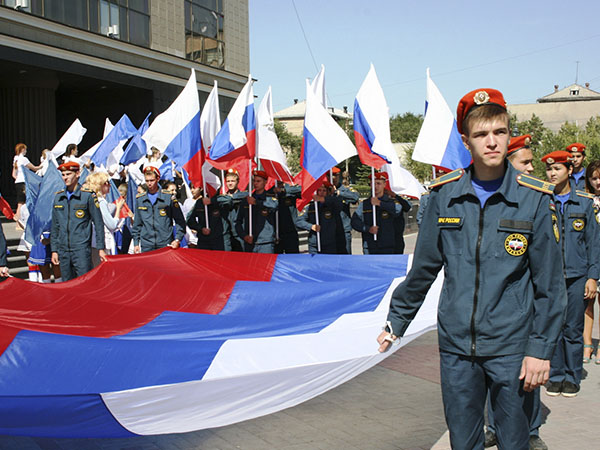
(574,103)
(97,59)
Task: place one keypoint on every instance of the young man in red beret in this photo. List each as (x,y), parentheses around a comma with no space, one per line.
(520,154)
(577,152)
(264,205)
(74,211)
(155,214)
(580,235)
(502,303)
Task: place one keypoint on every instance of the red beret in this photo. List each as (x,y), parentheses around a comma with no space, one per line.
(260,173)
(335,169)
(477,98)
(559,156)
(381,176)
(576,147)
(69,165)
(152,169)
(519,142)
(232,172)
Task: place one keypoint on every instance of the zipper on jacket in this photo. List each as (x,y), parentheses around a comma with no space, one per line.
(477,268)
(562,229)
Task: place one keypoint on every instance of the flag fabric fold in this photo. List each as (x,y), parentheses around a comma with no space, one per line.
(236,139)
(439,142)
(324,144)
(73,135)
(122,131)
(219,338)
(136,149)
(268,148)
(176,132)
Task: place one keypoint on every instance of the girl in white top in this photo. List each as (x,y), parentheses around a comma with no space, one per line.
(19,162)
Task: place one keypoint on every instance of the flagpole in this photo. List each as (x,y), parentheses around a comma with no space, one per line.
(205,205)
(373,194)
(331,176)
(277,225)
(223,186)
(249,194)
(433,171)
(317,222)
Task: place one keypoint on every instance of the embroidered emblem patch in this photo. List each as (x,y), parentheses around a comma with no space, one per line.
(448,219)
(162,212)
(555,227)
(481,98)
(216,213)
(288,201)
(578,224)
(80,213)
(328,215)
(515,244)
(264,212)
(385,214)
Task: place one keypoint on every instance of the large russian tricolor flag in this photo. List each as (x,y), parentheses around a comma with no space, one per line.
(173,341)
(176,132)
(236,141)
(439,142)
(324,144)
(268,148)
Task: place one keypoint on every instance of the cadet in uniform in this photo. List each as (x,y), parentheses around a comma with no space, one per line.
(287,213)
(579,237)
(520,154)
(3,251)
(75,210)
(502,304)
(577,152)
(215,235)
(387,211)
(155,213)
(521,157)
(348,196)
(264,206)
(232,179)
(329,225)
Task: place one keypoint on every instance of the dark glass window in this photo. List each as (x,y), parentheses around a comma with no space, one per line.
(204,32)
(139,5)
(139,29)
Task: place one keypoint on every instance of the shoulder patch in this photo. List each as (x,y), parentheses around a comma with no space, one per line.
(86,190)
(60,192)
(447,178)
(535,183)
(140,195)
(164,191)
(584,194)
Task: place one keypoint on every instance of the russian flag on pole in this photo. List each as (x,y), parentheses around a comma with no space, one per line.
(236,141)
(73,135)
(439,142)
(210,124)
(371,122)
(122,131)
(176,132)
(324,144)
(268,148)
(136,149)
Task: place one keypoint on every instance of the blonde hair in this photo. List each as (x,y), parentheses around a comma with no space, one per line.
(95,181)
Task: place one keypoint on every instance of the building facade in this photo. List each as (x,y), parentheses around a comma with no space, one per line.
(575,104)
(97,59)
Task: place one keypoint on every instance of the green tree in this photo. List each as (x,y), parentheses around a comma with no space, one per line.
(292,146)
(405,127)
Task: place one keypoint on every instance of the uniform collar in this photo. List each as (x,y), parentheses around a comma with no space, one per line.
(508,188)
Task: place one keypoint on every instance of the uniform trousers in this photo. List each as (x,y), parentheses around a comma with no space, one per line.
(533,410)
(288,243)
(567,361)
(267,247)
(465,382)
(74,263)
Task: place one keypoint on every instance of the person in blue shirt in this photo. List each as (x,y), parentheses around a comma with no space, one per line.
(261,239)
(577,152)
(579,236)
(155,214)
(330,224)
(502,304)
(74,211)
(387,210)
(348,196)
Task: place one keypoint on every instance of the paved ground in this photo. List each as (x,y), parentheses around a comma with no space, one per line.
(395,405)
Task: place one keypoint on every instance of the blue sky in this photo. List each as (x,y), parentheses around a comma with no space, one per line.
(521,47)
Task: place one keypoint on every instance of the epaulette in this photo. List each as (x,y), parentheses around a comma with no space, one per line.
(86,190)
(425,193)
(60,192)
(165,191)
(140,195)
(584,194)
(535,183)
(447,178)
